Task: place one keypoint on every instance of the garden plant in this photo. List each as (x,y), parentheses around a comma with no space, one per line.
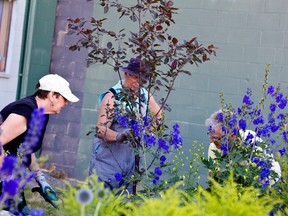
(163,188)
(163,58)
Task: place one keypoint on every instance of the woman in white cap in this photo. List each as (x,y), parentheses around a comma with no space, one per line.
(52,94)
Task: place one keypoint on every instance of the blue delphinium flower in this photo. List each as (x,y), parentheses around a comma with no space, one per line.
(162,144)
(265,184)
(37,212)
(28,176)
(255,160)
(259,120)
(8,165)
(162,160)
(273,141)
(36,125)
(118,177)
(220,117)
(176,127)
(10,187)
(282,151)
(0,135)
(225,148)
(265,131)
(232,122)
(136,127)
(273,108)
(235,131)
(282,104)
(158,171)
(280,116)
(176,139)
(249,138)
(247,100)
(274,128)
(270,90)
(147,121)
(242,124)
(271,119)
(239,110)
(150,140)
(123,121)
(279,97)
(264,171)
(285,136)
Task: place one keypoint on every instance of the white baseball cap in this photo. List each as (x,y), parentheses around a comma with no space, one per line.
(56,83)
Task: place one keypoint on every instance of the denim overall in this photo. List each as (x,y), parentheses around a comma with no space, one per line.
(109,158)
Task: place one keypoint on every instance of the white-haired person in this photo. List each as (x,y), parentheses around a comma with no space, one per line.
(52,95)
(217,130)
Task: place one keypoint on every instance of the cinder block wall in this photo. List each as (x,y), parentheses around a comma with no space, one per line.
(249,34)
(63,131)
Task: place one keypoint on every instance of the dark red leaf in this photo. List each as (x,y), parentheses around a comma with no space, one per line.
(159,28)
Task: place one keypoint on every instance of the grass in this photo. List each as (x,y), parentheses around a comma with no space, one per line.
(36,201)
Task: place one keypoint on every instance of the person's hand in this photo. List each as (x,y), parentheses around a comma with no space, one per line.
(124,135)
(47,191)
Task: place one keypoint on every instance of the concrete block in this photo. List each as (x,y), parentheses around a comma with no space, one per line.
(259,55)
(230,52)
(277,6)
(272,39)
(264,21)
(232,19)
(197,17)
(244,37)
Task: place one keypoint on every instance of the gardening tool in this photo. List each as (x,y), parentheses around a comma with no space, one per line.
(48,196)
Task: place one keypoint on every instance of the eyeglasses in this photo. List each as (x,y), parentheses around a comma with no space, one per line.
(134,77)
(216,139)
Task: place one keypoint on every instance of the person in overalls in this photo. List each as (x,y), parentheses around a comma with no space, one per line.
(112,150)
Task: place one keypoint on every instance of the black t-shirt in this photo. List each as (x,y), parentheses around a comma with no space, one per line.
(23,107)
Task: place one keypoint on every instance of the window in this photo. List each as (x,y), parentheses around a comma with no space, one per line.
(5,21)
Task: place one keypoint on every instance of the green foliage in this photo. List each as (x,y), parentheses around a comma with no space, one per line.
(232,199)
(280,192)
(185,167)
(101,201)
(228,198)
(221,200)
(182,167)
(251,134)
(170,203)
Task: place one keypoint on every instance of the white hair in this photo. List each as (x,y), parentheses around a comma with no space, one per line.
(213,121)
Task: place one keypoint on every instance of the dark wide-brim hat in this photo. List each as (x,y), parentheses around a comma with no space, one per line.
(135,67)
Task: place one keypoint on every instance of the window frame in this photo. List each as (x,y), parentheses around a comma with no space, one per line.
(5,24)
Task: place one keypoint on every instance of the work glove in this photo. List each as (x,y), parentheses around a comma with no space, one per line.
(45,189)
(124,135)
